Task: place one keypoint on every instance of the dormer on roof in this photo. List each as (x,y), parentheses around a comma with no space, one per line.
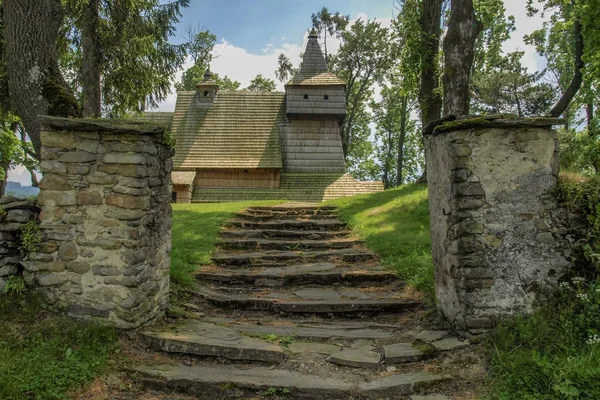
(207,88)
(315,90)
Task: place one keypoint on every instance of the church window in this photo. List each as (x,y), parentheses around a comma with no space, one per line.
(206,93)
(306,96)
(326,97)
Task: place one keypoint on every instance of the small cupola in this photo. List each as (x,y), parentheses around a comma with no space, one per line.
(207,88)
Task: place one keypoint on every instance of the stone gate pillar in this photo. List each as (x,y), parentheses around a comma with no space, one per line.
(106,219)
(496,233)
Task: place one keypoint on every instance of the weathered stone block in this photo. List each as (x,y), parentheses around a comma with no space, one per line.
(87,145)
(59,198)
(102,179)
(89,197)
(52,279)
(127,201)
(79,267)
(124,158)
(68,251)
(75,169)
(54,167)
(61,140)
(21,216)
(55,182)
(77,157)
(133,171)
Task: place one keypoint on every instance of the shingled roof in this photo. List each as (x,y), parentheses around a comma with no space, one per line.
(313,70)
(154,117)
(238,130)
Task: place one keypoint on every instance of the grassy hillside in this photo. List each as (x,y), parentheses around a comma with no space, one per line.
(395,225)
(194,233)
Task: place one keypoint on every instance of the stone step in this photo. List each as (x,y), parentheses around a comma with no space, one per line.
(302,274)
(308,300)
(289,224)
(283,212)
(285,234)
(293,208)
(269,216)
(206,339)
(227,382)
(279,244)
(279,258)
(310,330)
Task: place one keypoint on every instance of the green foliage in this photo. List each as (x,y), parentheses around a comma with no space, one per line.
(579,152)
(14,287)
(553,354)
(507,87)
(395,225)
(138,62)
(324,22)
(194,234)
(31,237)
(583,197)
(168,138)
(365,56)
(45,356)
(261,84)
(285,68)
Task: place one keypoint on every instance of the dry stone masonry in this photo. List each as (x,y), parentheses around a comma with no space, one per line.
(497,237)
(14,214)
(106,219)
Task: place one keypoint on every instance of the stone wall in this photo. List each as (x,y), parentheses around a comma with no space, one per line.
(106,219)
(497,232)
(14,213)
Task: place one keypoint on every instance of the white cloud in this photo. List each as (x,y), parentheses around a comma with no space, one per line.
(524,25)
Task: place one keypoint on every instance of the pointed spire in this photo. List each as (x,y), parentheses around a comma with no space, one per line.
(313,61)
(313,69)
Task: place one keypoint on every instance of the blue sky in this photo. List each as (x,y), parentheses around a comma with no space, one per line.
(253,24)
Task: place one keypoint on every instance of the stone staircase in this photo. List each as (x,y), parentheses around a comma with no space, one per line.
(294,306)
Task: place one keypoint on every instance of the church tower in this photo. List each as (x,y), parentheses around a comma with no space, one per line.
(316,107)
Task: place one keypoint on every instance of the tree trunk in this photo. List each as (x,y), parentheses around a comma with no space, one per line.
(429,96)
(518,101)
(90,68)
(400,159)
(35,83)
(589,112)
(459,44)
(573,88)
(4,180)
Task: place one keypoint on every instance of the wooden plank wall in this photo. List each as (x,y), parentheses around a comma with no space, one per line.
(313,145)
(184,193)
(240,178)
(316,103)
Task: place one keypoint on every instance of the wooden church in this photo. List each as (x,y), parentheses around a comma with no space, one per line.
(242,145)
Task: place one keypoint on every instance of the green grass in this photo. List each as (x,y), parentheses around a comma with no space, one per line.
(395,225)
(551,354)
(194,234)
(45,356)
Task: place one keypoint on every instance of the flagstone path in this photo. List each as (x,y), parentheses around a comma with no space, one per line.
(295,306)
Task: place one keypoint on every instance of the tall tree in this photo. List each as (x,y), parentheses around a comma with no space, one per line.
(459,44)
(36,86)
(285,69)
(261,84)
(326,23)
(364,57)
(430,98)
(131,40)
(509,88)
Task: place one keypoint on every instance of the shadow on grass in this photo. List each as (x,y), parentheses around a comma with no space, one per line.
(194,234)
